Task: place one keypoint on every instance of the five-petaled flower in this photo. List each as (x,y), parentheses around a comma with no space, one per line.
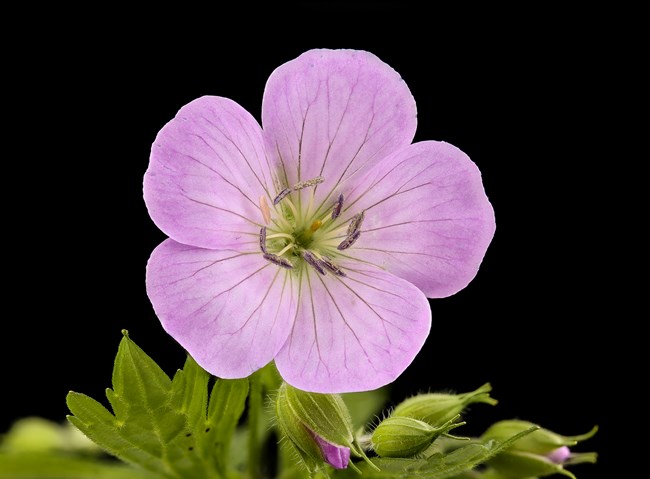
(315,240)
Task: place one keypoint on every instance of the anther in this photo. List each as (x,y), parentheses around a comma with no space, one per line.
(337,207)
(355,223)
(281,195)
(313,262)
(277,260)
(306,184)
(263,239)
(325,261)
(348,241)
(266,211)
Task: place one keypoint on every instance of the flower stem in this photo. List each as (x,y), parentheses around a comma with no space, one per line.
(254,415)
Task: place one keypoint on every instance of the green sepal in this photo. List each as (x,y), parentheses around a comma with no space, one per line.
(325,414)
(301,415)
(541,441)
(516,464)
(438,408)
(398,436)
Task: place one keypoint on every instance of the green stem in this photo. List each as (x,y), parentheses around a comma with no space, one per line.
(254,416)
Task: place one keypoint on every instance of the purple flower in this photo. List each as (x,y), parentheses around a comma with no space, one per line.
(336,456)
(315,240)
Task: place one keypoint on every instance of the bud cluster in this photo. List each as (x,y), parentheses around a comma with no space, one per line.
(538,454)
(319,428)
(415,424)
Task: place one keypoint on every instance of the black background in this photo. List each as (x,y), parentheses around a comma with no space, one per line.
(529,101)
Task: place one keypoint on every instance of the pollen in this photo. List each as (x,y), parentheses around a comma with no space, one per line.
(355,223)
(315,225)
(266,211)
(306,184)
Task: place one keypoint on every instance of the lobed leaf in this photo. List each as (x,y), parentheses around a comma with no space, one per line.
(151,416)
(227,402)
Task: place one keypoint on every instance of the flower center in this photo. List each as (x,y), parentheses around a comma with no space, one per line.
(299,235)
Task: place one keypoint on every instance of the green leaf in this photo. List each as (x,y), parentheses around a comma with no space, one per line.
(53,466)
(137,378)
(437,466)
(227,402)
(101,426)
(190,391)
(152,420)
(166,426)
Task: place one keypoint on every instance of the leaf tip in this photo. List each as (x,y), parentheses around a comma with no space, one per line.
(125,333)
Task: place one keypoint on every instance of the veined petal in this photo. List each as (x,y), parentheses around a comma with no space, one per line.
(207,171)
(331,113)
(231,311)
(353,333)
(427,218)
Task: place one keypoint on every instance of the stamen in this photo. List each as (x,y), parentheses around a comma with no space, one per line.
(306,184)
(337,207)
(348,241)
(310,206)
(325,261)
(292,207)
(281,195)
(266,211)
(312,261)
(355,223)
(285,249)
(280,235)
(277,260)
(315,225)
(263,239)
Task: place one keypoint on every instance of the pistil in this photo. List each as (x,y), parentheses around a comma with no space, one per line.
(302,235)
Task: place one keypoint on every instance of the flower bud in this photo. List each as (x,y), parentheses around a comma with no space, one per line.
(542,441)
(406,437)
(318,426)
(35,434)
(538,454)
(517,464)
(438,408)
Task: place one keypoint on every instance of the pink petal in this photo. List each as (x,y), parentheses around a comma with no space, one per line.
(559,455)
(336,456)
(427,218)
(353,333)
(206,174)
(331,112)
(231,311)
